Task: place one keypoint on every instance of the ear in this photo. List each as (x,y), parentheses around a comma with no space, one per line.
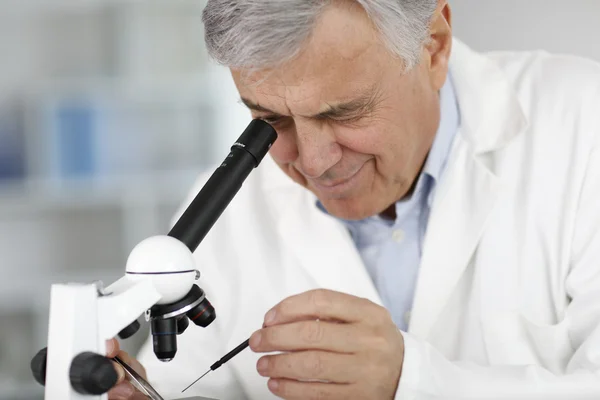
(439,47)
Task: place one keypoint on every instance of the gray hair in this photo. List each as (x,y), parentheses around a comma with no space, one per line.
(265,33)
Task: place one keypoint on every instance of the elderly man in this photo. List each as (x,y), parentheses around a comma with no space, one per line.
(428,225)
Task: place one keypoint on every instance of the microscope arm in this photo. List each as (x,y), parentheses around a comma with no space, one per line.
(123,302)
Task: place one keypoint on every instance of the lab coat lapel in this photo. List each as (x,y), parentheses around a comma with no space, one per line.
(464,201)
(324,247)
(491,116)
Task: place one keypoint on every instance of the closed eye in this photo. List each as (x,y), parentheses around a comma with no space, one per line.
(272,120)
(344,119)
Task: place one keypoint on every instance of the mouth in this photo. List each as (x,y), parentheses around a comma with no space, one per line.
(340,187)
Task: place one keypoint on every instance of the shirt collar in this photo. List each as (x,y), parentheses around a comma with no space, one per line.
(449,123)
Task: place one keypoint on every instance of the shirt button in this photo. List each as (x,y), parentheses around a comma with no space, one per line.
(407,318)
(398,235)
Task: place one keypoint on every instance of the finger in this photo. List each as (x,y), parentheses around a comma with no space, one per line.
(120,372)
(133,363)
(325,305)
(112,348)
(123,391)
(309,335)
(140,396)
(311,365)
(292,390)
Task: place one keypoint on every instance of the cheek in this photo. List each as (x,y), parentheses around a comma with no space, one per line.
(375,140)
(362,138)
(389,143)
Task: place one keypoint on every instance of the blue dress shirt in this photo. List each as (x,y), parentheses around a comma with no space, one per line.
(391,249)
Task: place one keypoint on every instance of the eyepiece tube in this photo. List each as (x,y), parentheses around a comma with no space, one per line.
(246,154)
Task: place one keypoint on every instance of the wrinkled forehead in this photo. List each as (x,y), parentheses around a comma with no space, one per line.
(308,95)
(343,58)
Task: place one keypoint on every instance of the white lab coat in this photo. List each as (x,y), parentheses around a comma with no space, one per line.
(507,304)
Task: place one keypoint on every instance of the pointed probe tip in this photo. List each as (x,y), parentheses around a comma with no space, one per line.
(193,383)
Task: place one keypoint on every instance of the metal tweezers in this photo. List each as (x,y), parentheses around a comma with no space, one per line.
(140,383)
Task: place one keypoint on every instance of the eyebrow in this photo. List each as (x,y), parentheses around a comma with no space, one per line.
(362,104)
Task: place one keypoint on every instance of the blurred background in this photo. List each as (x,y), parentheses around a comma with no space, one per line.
(109,110)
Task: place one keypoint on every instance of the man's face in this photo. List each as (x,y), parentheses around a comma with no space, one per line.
(353,128)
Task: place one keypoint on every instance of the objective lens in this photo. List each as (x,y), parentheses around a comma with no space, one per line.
(182,324)
(203,314)
(164,338)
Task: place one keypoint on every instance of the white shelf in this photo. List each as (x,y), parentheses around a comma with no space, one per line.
(166,188)
(191,88)
(43,6)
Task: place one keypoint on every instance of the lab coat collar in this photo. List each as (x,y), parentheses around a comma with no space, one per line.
(491,113)
(491,116)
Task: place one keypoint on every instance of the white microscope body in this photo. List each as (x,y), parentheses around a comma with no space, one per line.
(160,270)
(159,282)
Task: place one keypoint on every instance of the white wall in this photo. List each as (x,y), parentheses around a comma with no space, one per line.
(563,26)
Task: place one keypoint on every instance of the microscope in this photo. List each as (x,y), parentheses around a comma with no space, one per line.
(159,283)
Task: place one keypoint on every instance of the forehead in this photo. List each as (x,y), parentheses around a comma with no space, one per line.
(343,58)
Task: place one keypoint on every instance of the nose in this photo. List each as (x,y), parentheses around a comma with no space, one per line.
(318,149)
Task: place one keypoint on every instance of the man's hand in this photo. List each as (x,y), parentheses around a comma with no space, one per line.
(123,389)
(335,346)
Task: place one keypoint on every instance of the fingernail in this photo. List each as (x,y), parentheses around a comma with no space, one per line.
(270,317)
(110,346)
(262,365)
(273,384)
(255,340)
(122,391)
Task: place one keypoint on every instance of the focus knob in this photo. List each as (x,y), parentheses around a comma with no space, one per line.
(130,330)
(38,366)
(92,374)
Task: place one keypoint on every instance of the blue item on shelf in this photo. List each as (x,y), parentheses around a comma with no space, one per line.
(75,140)
(12,158)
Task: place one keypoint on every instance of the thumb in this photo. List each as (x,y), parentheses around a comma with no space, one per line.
(123,391)
(112,348)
